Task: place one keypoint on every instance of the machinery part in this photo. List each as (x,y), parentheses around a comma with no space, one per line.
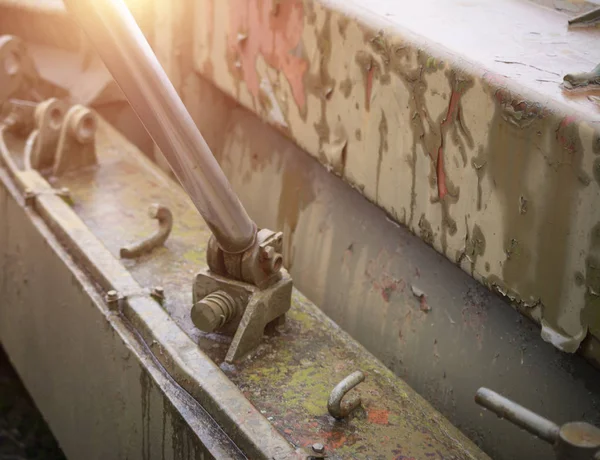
(41,143)
(17,71)
(236,250)
(165,224)
(214,311)
(112,299)
(519,415)
(129,58)
(334,404)
(591,18)
(19,116)
(29,195)
(571,441)
(260,265)
(239,309)
(76,144)
(584,80)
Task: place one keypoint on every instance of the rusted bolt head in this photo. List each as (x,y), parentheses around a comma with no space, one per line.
(112,296)
(29,196)
(159,290)
(318,448)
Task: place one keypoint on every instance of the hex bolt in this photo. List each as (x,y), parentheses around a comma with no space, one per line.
(29,197)
(214,311)
(318,448)
(112,299)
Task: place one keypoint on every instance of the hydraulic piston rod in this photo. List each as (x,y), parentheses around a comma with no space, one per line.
(129,58)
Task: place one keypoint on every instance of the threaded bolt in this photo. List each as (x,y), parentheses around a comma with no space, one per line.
(214,311)
(112,299)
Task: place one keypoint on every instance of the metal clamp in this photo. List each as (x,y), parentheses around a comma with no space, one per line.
(165,224)
(571,441)
(334,404)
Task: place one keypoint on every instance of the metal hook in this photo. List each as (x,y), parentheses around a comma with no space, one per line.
(334,404)
(165,224)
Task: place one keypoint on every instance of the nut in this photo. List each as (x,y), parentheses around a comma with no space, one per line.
(318,448)
(29,197)
(112,299)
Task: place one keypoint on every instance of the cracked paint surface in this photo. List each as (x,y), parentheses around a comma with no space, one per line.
(482,156)
(273,29)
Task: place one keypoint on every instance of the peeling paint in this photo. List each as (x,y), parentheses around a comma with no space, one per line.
(273,29)
(467,145)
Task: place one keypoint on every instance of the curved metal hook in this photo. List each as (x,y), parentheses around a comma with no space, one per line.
(334,404)
(165,224)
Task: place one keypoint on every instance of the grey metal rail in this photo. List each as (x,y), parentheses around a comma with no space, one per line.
(517,414)
(128,56)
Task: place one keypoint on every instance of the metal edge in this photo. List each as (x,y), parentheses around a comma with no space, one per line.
(208,432)
(181,357)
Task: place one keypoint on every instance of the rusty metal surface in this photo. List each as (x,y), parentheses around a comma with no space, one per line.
(100,389)
(290,377)
(433,325)
(461,132)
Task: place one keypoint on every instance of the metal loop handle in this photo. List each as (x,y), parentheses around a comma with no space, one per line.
(334,404)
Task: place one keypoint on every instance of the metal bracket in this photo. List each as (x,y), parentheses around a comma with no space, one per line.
(29,195)
(241,309)
(76,144)
(114,298)
(41,144)
(18,74)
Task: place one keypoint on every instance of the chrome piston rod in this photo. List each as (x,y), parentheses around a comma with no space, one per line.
(121,45)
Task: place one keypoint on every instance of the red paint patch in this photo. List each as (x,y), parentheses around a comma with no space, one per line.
(273,29)
(441,174)
(378,416)
(562,135)
(336,440)
(369,87)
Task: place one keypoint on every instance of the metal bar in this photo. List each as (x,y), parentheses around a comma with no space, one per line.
(129,58)
(517,414)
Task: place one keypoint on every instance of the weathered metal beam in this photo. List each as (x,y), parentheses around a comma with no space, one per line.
(97,384)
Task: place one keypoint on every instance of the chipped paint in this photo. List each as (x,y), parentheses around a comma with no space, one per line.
(449,144)
(272,29)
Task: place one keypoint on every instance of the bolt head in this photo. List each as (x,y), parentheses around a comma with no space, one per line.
(318,448)
(29,197)
(112,296)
